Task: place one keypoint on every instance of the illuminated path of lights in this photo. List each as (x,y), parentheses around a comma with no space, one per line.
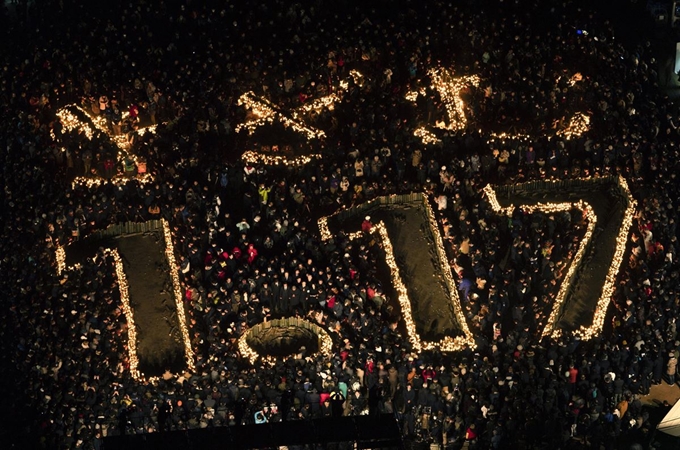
(583,298)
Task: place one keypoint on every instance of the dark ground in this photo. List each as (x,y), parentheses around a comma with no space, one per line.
(579,306)
(159,343)
(419,269)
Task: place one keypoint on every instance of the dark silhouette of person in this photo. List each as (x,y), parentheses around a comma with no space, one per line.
(164,416)
(122,421)
(337,402)
(374,397)
(240,411)
(285,404)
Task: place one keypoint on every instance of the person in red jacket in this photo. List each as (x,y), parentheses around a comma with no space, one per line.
(370,365)
(428,374)
(340,64)
(252,253)
(470,433)
(236,252)
(134,113)
(366,225)
(573,377)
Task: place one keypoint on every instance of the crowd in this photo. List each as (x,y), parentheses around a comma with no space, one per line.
(246,236)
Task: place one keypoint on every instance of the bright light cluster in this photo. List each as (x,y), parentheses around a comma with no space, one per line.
(503,138)
(323,228)
(549,208)
(608,287)
(123,143)
(117,181)
(325,342)
(574,79)
(426,136)
(252,157)
(71,122)
(449,88)
(316,105)
(412,96)
(265,113)
(493,201)
(357,77)
(125,301)
(60,256)
(578,125)
(179,298)
(246,350)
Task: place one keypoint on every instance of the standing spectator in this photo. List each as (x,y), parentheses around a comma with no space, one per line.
(671,367)
(367,225)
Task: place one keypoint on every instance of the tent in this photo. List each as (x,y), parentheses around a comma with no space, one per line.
(671,423)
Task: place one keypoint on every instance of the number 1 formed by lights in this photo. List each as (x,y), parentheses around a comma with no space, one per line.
(125,301)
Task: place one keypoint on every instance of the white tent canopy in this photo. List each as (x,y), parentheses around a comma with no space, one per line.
(671,423)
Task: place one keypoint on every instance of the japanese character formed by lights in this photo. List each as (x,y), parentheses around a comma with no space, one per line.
(71,122)
(265,112)
(449,88)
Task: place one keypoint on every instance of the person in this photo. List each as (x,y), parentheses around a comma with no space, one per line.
(572,374)
(164,415)
(471,434)
(367,225)
(252,253)
(337,400)
(671,367)
(623,408)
